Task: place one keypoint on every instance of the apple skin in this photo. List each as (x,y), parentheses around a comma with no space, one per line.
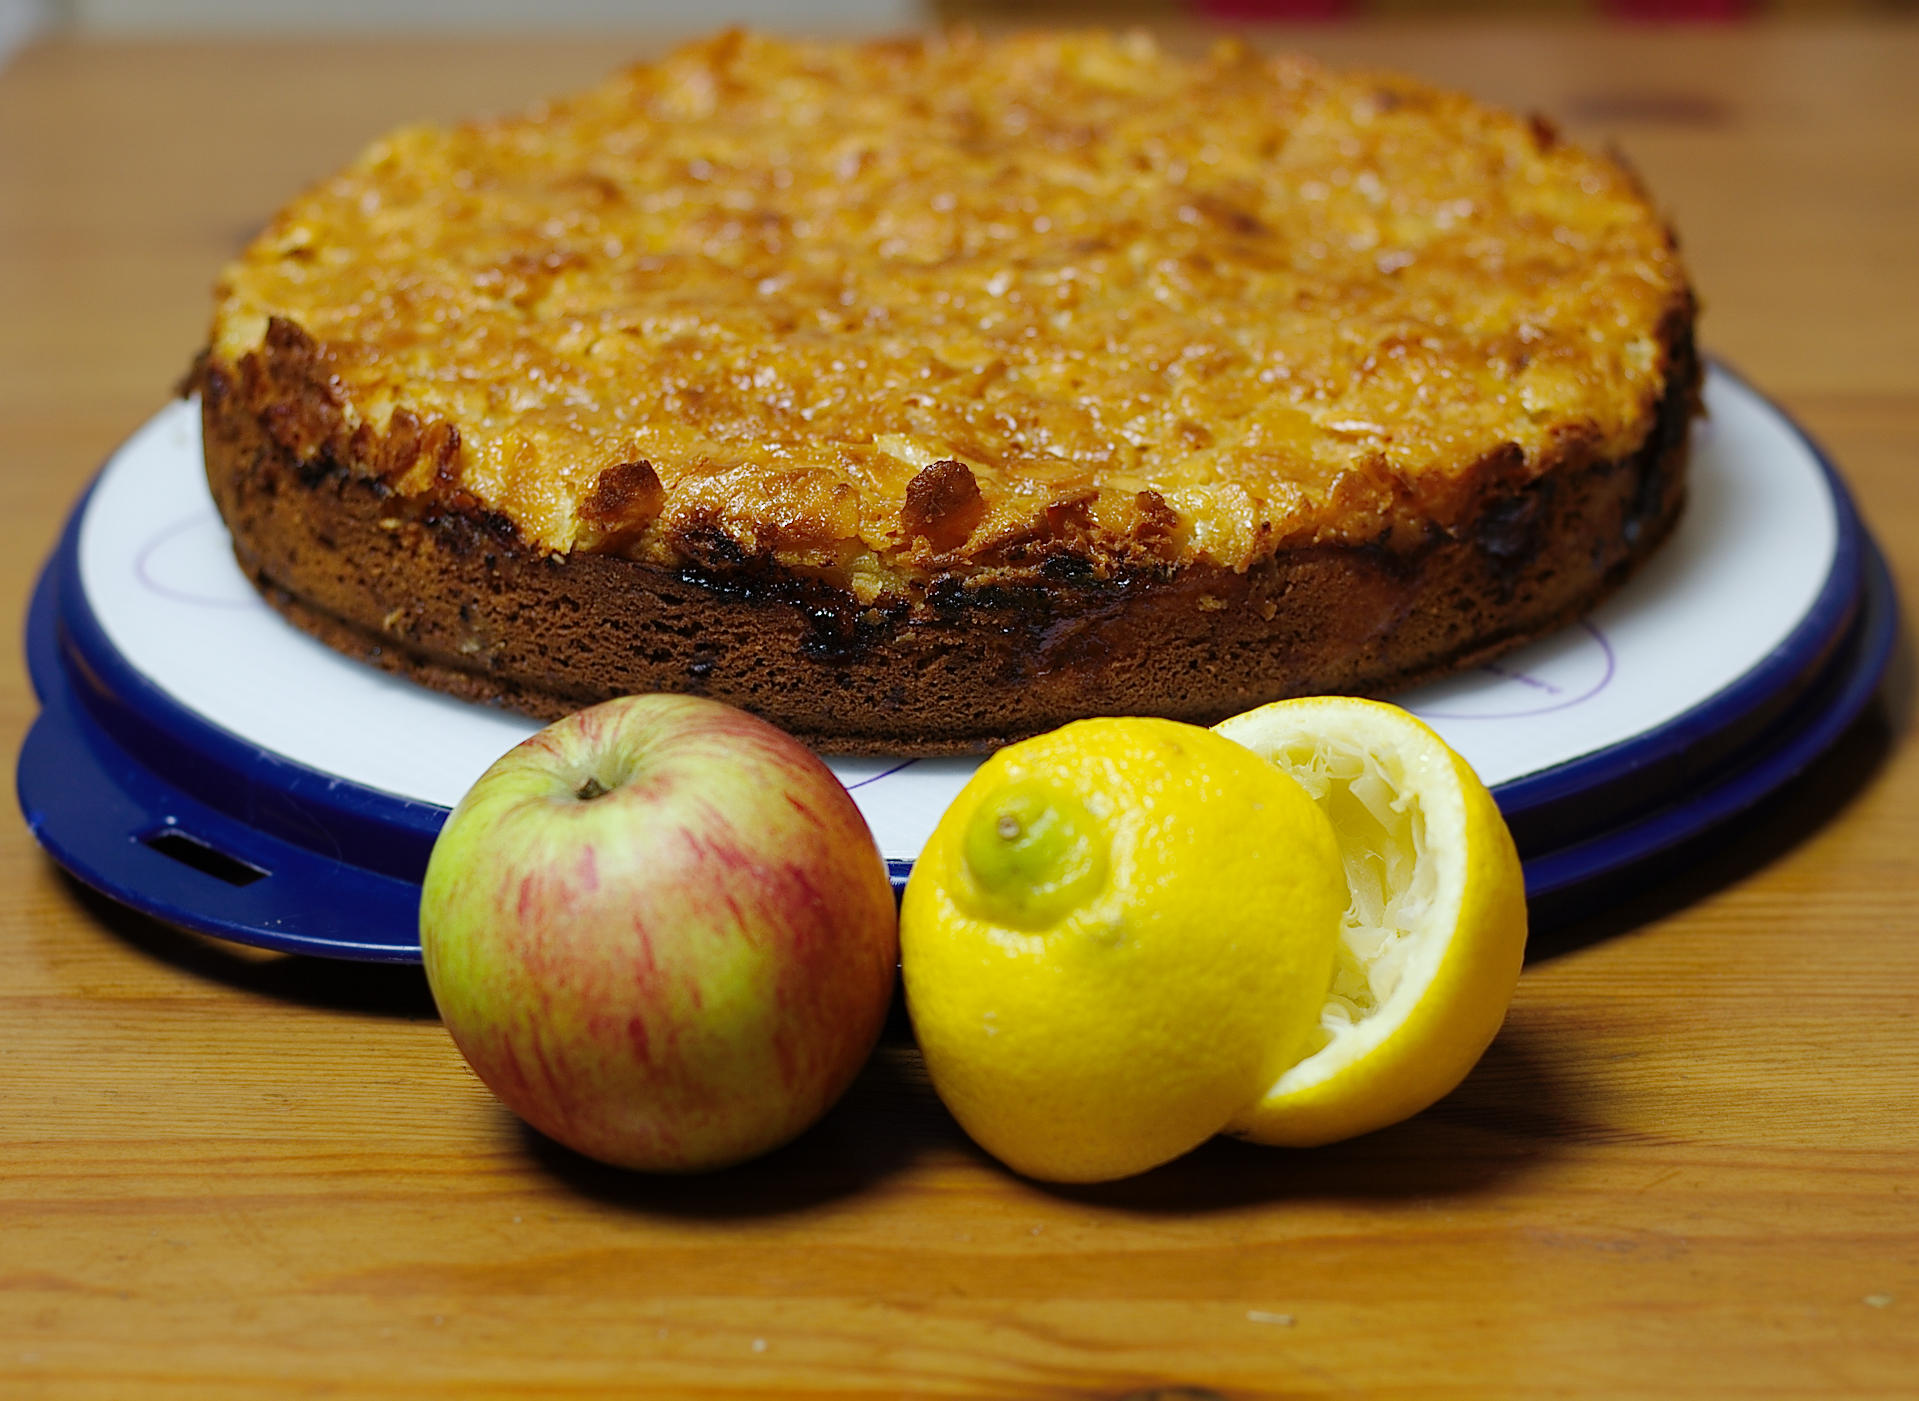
(680,973)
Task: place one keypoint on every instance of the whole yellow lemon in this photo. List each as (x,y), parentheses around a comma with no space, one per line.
(1119,935)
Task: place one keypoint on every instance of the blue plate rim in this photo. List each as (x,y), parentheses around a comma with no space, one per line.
(95,810)
(1795,662)
(1839,697)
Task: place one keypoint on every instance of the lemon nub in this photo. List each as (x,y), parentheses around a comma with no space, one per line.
(1034,855)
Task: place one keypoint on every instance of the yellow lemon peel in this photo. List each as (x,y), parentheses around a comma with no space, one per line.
(1118,935)
(1434,933)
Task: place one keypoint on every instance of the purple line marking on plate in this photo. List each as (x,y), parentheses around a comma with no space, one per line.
(1605,680)
(143,571)
(883,773)
(1523,679)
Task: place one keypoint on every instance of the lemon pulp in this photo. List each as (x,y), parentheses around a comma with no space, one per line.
(1434,931)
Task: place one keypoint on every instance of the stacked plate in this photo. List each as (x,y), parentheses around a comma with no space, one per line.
(201,761)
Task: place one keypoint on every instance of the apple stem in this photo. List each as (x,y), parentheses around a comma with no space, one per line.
(590,790)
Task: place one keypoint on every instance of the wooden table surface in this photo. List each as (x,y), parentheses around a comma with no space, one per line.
(1688,1166)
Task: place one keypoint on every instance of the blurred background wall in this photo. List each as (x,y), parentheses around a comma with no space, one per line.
(478,15)
(21,18)
(160,16)
(18,19)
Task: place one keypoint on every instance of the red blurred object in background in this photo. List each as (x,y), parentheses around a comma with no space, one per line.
(1279,11)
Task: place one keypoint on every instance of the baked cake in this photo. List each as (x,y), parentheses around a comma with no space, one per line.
(922,395)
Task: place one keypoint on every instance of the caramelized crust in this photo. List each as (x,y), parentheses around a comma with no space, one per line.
(921,395)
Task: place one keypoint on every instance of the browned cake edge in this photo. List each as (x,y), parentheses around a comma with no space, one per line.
(440,590)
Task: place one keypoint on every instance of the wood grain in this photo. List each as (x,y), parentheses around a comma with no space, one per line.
(1689,1165)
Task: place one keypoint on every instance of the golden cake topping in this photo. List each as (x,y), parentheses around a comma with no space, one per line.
(880,311)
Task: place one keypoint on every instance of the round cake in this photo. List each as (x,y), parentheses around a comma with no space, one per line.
(923,395)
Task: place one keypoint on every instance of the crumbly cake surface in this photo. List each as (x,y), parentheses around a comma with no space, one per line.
(924,395)
(892,313)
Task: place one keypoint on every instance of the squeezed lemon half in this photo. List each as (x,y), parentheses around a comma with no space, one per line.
(1434,932)
(1118,936)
